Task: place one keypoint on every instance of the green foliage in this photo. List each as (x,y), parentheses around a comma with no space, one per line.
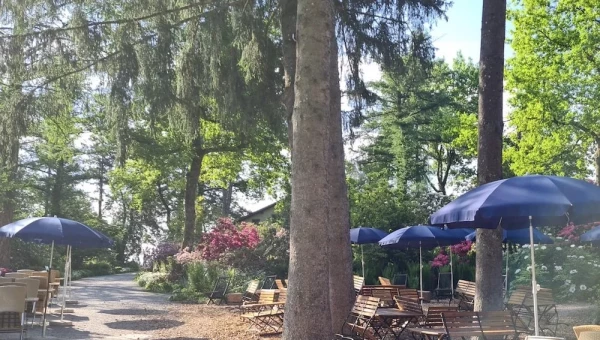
(553,82)
(155,282)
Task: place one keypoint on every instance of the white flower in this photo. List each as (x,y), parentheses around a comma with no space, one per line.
(558,248)
(559,238)
(543,247)
(573,271)
(526,257)
(526,246)
(528,268)
(544,268)
(582,257)
(572,289)
(589,263)
(582,287)
(567,282)
(517,271)
(580,247)
(557,267)
(572,246)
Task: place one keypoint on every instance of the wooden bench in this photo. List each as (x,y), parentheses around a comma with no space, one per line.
(465,293)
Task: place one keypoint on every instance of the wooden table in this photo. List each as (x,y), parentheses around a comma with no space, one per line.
(395,320)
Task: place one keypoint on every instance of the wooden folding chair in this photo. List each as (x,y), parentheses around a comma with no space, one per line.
(444,286)
(267,314)
(433,318)
(279,284)
(219,290)
(384,281)
(360,321)
(250,293)
(400,279)
(12,309)
(359,282)
(461,325)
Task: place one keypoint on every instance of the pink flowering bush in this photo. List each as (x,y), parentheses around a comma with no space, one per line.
(462,250)
(223,239)
(571,232)
(442,259)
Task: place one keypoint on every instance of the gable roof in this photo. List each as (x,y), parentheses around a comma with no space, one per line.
(257,212)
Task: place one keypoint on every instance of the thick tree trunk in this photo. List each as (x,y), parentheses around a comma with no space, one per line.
(288,33)
(341,290)
(489,161)
(227,199)
(308,313)
(191,193)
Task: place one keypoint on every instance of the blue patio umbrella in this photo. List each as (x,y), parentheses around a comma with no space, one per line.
(54,230)
(521,202)
(422,236)
(517,236)
(592,236)
(362,235)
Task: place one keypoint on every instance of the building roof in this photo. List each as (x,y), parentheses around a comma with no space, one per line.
(257,212)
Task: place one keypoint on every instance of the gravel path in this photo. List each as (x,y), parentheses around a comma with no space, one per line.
(111,307)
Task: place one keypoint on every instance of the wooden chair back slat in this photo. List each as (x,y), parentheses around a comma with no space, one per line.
(434,315)
(359,282)
(384,281)
(267,296)
(457,323)
(408,305)
(410,293)
(279,284)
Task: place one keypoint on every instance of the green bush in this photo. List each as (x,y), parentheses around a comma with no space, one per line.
(99,268)
(185,294)
(155,282)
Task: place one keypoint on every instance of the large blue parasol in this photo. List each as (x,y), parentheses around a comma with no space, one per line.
(592,236)
(519,202)
(423,236)
(60,231)
(363,235)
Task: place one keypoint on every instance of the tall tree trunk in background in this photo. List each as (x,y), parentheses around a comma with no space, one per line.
(101,186)
(488,270)
(341,290)
(308,314)
(287,21)
(57,190)
(191,193)
(227,198)
(8,169)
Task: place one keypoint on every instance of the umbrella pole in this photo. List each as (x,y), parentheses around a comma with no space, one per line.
(421,271)
(506,271)
(47,292)
(533,281)
(64,295)
(451,274)
(362,259)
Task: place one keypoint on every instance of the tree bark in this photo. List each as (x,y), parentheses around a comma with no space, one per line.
(57,189)
(288,33)
(341,290)
(101,186)
(308,314)
(488,270)
(8,168)
(191,193)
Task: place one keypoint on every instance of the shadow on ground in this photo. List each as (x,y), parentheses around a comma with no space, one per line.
(144,325)
(133,311)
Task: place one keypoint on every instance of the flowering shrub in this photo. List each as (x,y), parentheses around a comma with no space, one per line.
(571,272)
(463,250)
(221,241)
(159,254)
(442,259)
(226,237)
